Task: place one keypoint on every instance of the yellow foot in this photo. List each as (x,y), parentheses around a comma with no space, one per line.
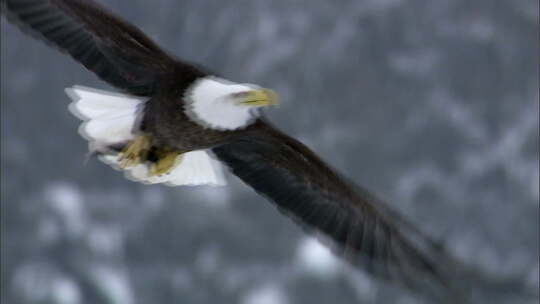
(135,152)
(167,160)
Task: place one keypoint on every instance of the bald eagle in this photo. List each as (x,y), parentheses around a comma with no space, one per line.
(176,123)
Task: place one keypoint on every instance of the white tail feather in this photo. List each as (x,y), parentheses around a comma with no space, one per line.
(108,131)
(193,168)
(111,118)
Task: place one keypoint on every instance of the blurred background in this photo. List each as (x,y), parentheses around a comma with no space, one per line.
(433,105)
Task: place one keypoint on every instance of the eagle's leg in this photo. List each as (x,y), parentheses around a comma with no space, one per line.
(166,160)
(136,151)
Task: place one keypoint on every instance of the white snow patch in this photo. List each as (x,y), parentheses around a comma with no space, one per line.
(316,259)
(105,240)
(422,176)
(114,284)
(40,283)
(363,285)
(266,294)
(460,115)
(66,200)
(30,282)
(503,151)
(65,291)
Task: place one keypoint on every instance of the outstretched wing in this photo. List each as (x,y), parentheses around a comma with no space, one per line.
(356,225)
(118,52)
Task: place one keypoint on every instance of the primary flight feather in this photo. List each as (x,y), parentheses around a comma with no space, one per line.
(176,123)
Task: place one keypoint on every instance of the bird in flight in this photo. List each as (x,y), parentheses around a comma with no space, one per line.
(175,123)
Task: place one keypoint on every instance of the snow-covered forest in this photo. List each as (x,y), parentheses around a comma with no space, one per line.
(430,104)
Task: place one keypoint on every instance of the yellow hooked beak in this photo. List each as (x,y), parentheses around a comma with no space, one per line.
(258,98)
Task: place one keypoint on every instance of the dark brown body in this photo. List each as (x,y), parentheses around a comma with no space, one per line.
(166,121)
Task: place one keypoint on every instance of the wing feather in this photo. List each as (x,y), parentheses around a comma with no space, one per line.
(352,222)
(116,51)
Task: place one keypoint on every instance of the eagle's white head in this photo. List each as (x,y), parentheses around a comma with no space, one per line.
(223,105)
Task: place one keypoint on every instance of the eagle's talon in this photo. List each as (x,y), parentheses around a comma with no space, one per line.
(135,152)
(166,162)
